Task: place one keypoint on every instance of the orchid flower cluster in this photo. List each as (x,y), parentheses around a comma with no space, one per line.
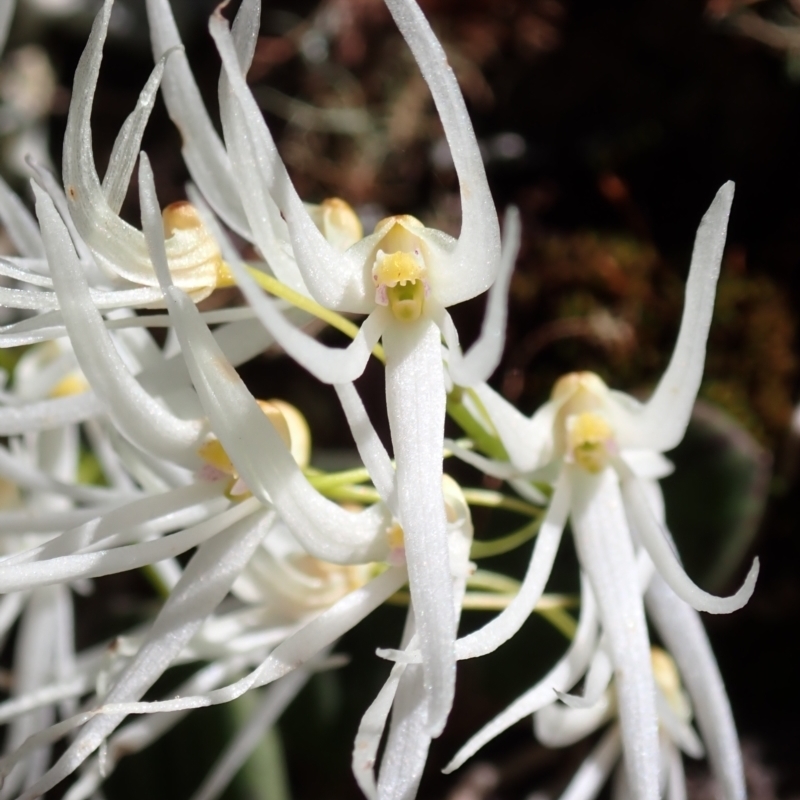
(287,558)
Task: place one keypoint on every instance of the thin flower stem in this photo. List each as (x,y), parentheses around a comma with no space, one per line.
(278,289)
(504,544)
(486,441)
(324,482)
(490,499)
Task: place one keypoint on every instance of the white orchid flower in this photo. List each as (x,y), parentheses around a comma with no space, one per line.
(601,451)
(403,276)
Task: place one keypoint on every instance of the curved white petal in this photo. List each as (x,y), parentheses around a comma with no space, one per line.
(269,230)
(557,725)
(415,403)
(562,677)
(370,733)
(262,460)
(326,364)
(68,568)
(117,246)
(661,423)
(512,618)
(264,716)
(336,280)
(407,744)
(203,152)
(594,771)
(472,267)
(128,142)
(46,414)
(601,670)
(292,653)
(138,417)
(679,730)
(682,632)
(483,357)
(205,581)
(661,551)
(605,551)
(528,441)
(369,445)
(19,223)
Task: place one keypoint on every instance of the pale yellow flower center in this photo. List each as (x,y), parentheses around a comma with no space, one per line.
(399,272)
(588,439)
(668,680)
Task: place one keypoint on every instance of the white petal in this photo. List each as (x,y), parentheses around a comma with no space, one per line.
(528,441)
(326,530)
(369,445)
(269,230)
(485,354)
(472,266)
(667,563)
(598,678)
(326,364)
(559,726)
(605,551)
(206,580)
(511,619)
(415,402)
(661,422)
(19,223)
(136,414)
(679,730)
(562,677)
(203,152)
(46,414)
(370,733)
(594,771)
(337,281)
(647,464)
(247,738)
(117,246)
(682,632)
(676,782)
(129,140)
(120,559)
(299,648)
(407,744)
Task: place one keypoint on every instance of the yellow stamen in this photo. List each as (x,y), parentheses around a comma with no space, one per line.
(74,383)
(668,680)
(402,268)
(396,537)
(588,439)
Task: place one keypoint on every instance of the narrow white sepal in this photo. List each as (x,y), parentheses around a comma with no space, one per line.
(661,551)
(661,422)
(368,444)
(562,677)
(483,357)
(511,619)
(203,152)
(471,267)
(681,629)
(137,415)
(605,551)
(587,782)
